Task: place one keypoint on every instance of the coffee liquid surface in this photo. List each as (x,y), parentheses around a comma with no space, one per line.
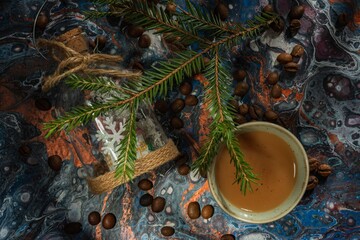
(274,163)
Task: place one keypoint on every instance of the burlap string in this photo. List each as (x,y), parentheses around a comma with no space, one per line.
(72,62)
(151,161)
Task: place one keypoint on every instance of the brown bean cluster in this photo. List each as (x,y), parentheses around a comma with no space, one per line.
(318,171)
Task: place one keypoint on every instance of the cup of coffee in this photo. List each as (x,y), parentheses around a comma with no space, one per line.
(279,161)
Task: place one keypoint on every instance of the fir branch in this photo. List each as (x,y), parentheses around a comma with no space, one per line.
(99,84)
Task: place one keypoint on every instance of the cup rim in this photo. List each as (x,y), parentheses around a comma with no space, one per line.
(299,194)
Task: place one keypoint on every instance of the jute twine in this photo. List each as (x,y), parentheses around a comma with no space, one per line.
(72,62)
(154,159)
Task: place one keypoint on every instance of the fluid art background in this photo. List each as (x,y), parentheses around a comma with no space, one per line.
(321,105)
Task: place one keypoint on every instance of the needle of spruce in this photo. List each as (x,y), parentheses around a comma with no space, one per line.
(191,25)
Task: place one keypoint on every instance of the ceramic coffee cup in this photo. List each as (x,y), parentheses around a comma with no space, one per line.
(301,179)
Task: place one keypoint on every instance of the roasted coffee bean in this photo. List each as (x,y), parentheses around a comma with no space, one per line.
(271,115)
(268,9)
(94,218)
(138,66)
(222,11)
(284,58)
(206,60)
(43,104)
(146,200)
(277,25)
(207,211)
(144,41)
(342,21)
(135,31)
(176,123)
(324,170)
(240,119)
(276,91)
(193,210)
(313,164)
(171,7)
(185,88)
(297,51)
(234,104)
(177,105)
(291,67)
(145,184)
(191,100)
(241,89)
(256,112)
(239,75)
(183,169)
(167,231)
(273,78)
(227,237)
(296,12)
(243,109)
(72,228)
(42,21)
(55,162)
(312,182)
(294,27)
(109,221)
(161,106)
(158,204)
(100,42)
(25,150)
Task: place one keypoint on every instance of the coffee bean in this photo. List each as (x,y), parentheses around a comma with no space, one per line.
(144,41)
(43,104)
(146,200)
(171,7)
(161,106)
(145,184)
(167,231)
(312,182)
(324,170)
(109,221)
(193,210)
(272,78)
(313,164)
(183,169)
(294,27)
(177,105)
(256,112)
(55,162)
(297,51)
(276,91)
(277,25)
(135,31)
(24,150)
(271,115)
(176,123)
(158,204)
(239,119)
(138,66)
(222,11)
(284,58)
(268,9)
(291,67)
(72,228)
(100,42)
(243,109)
(94,218)
(239,75)
(185,88)
(241,89)
(342,20)
(227,237)
(191,100)
(207,211)
(296,12)
(42,21)
(234,104)
(206,60)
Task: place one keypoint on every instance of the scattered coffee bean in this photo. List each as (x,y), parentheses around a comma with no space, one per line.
(206,60)
(158,204)
(181,160)
(278,25)
(284,58)
(100,42)
(43,104)
(294,27)
(72,228)
(55,162)
(296,12)
(239,75)
(313,164)
(193,210)
(234,104)
(324,170)
(312,182)
(243,109)
(268,9)
(185,88)
(273,78)
(144,41)
(207,211)
(191,100)
(241,89)
(222,11)
(177,105)
(167,231)
(291,67)
(271,115)
(227,237)
(183,169)
(342,21)
(42,21)
(94,218)
(240,119)
(161,106)
(256,112)
(297,51)
(24,150)
(276,91)
(138,66)
(171,7)
(145,184)
(109,221)
(146,200)
(176,123)
(135,31)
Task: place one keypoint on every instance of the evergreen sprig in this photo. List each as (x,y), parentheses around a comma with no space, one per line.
(193,25)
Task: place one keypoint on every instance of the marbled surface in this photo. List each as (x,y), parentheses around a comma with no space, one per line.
(320,105)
